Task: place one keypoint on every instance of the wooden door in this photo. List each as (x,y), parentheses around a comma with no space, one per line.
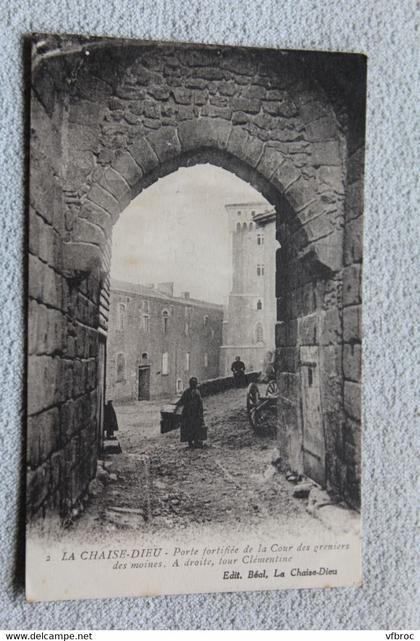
(313,428)
(144,384)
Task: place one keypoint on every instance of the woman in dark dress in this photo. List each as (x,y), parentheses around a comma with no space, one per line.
(110,421)
(192,420)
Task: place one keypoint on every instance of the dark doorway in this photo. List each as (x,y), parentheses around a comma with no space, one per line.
(144,383)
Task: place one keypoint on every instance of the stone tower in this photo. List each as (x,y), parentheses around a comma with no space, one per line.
(250,317)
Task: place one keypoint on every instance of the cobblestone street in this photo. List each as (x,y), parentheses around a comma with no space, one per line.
(157,484)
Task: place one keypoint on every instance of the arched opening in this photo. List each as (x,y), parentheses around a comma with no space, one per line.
(176,257)
(120,368)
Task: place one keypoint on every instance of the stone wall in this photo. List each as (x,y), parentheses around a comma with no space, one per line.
(223,383)
(107,121)
(63,324)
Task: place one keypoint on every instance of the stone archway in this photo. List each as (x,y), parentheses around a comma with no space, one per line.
(109,121)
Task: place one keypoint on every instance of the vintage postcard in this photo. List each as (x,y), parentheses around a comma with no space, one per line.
(194,336)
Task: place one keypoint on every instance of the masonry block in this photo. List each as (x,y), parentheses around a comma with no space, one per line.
(270,161)
(308,333)
(326,153)
(300,193)
(42,376)
(285,176)
(165,143)
(104,198)
(37,486)
(202,133)
(244,146)
(329,250)
(352,399)
(352,362)
(144,155)
(331,331)
(353,204)
(353,241)
(352,324)
(352,285)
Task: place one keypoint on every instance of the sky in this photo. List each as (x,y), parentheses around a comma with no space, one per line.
(177,230)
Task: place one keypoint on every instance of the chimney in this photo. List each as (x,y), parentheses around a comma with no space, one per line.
(186,295)
(166,288)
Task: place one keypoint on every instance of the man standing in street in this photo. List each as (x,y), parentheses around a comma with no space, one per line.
(238,369)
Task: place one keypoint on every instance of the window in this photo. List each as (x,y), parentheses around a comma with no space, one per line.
(146,323)
(205,321)
(259,305)
(251,226)
(120,368)
(165,364)
(121,316)
(238,227)
(179,386)
(145,357)
(260,239)
(165,321)
(187,311)
(244,227)
(239,212)
(259,333)
(187,362)
(260,270)
(146,307)
(187,328)
(206,360)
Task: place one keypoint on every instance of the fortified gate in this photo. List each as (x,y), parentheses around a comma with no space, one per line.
(107,122)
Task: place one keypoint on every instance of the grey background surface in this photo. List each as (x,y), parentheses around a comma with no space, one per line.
(386,31)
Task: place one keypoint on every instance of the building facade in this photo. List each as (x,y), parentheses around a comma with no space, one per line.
(250,317)
(157,341)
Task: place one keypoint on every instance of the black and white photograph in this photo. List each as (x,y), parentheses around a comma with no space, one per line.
(194,318)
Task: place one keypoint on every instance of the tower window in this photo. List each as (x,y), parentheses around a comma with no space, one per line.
(206,360)
(259,333)
(187,362)
(244,227)
(165,364)
(260,239)
(259,304)
(165,321)
(238,227)
(260,270)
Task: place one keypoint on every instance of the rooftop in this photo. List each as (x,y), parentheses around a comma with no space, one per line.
(152,291)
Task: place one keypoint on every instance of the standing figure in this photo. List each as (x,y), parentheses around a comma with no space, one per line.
(238,369)
(192,420)
(110,421)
